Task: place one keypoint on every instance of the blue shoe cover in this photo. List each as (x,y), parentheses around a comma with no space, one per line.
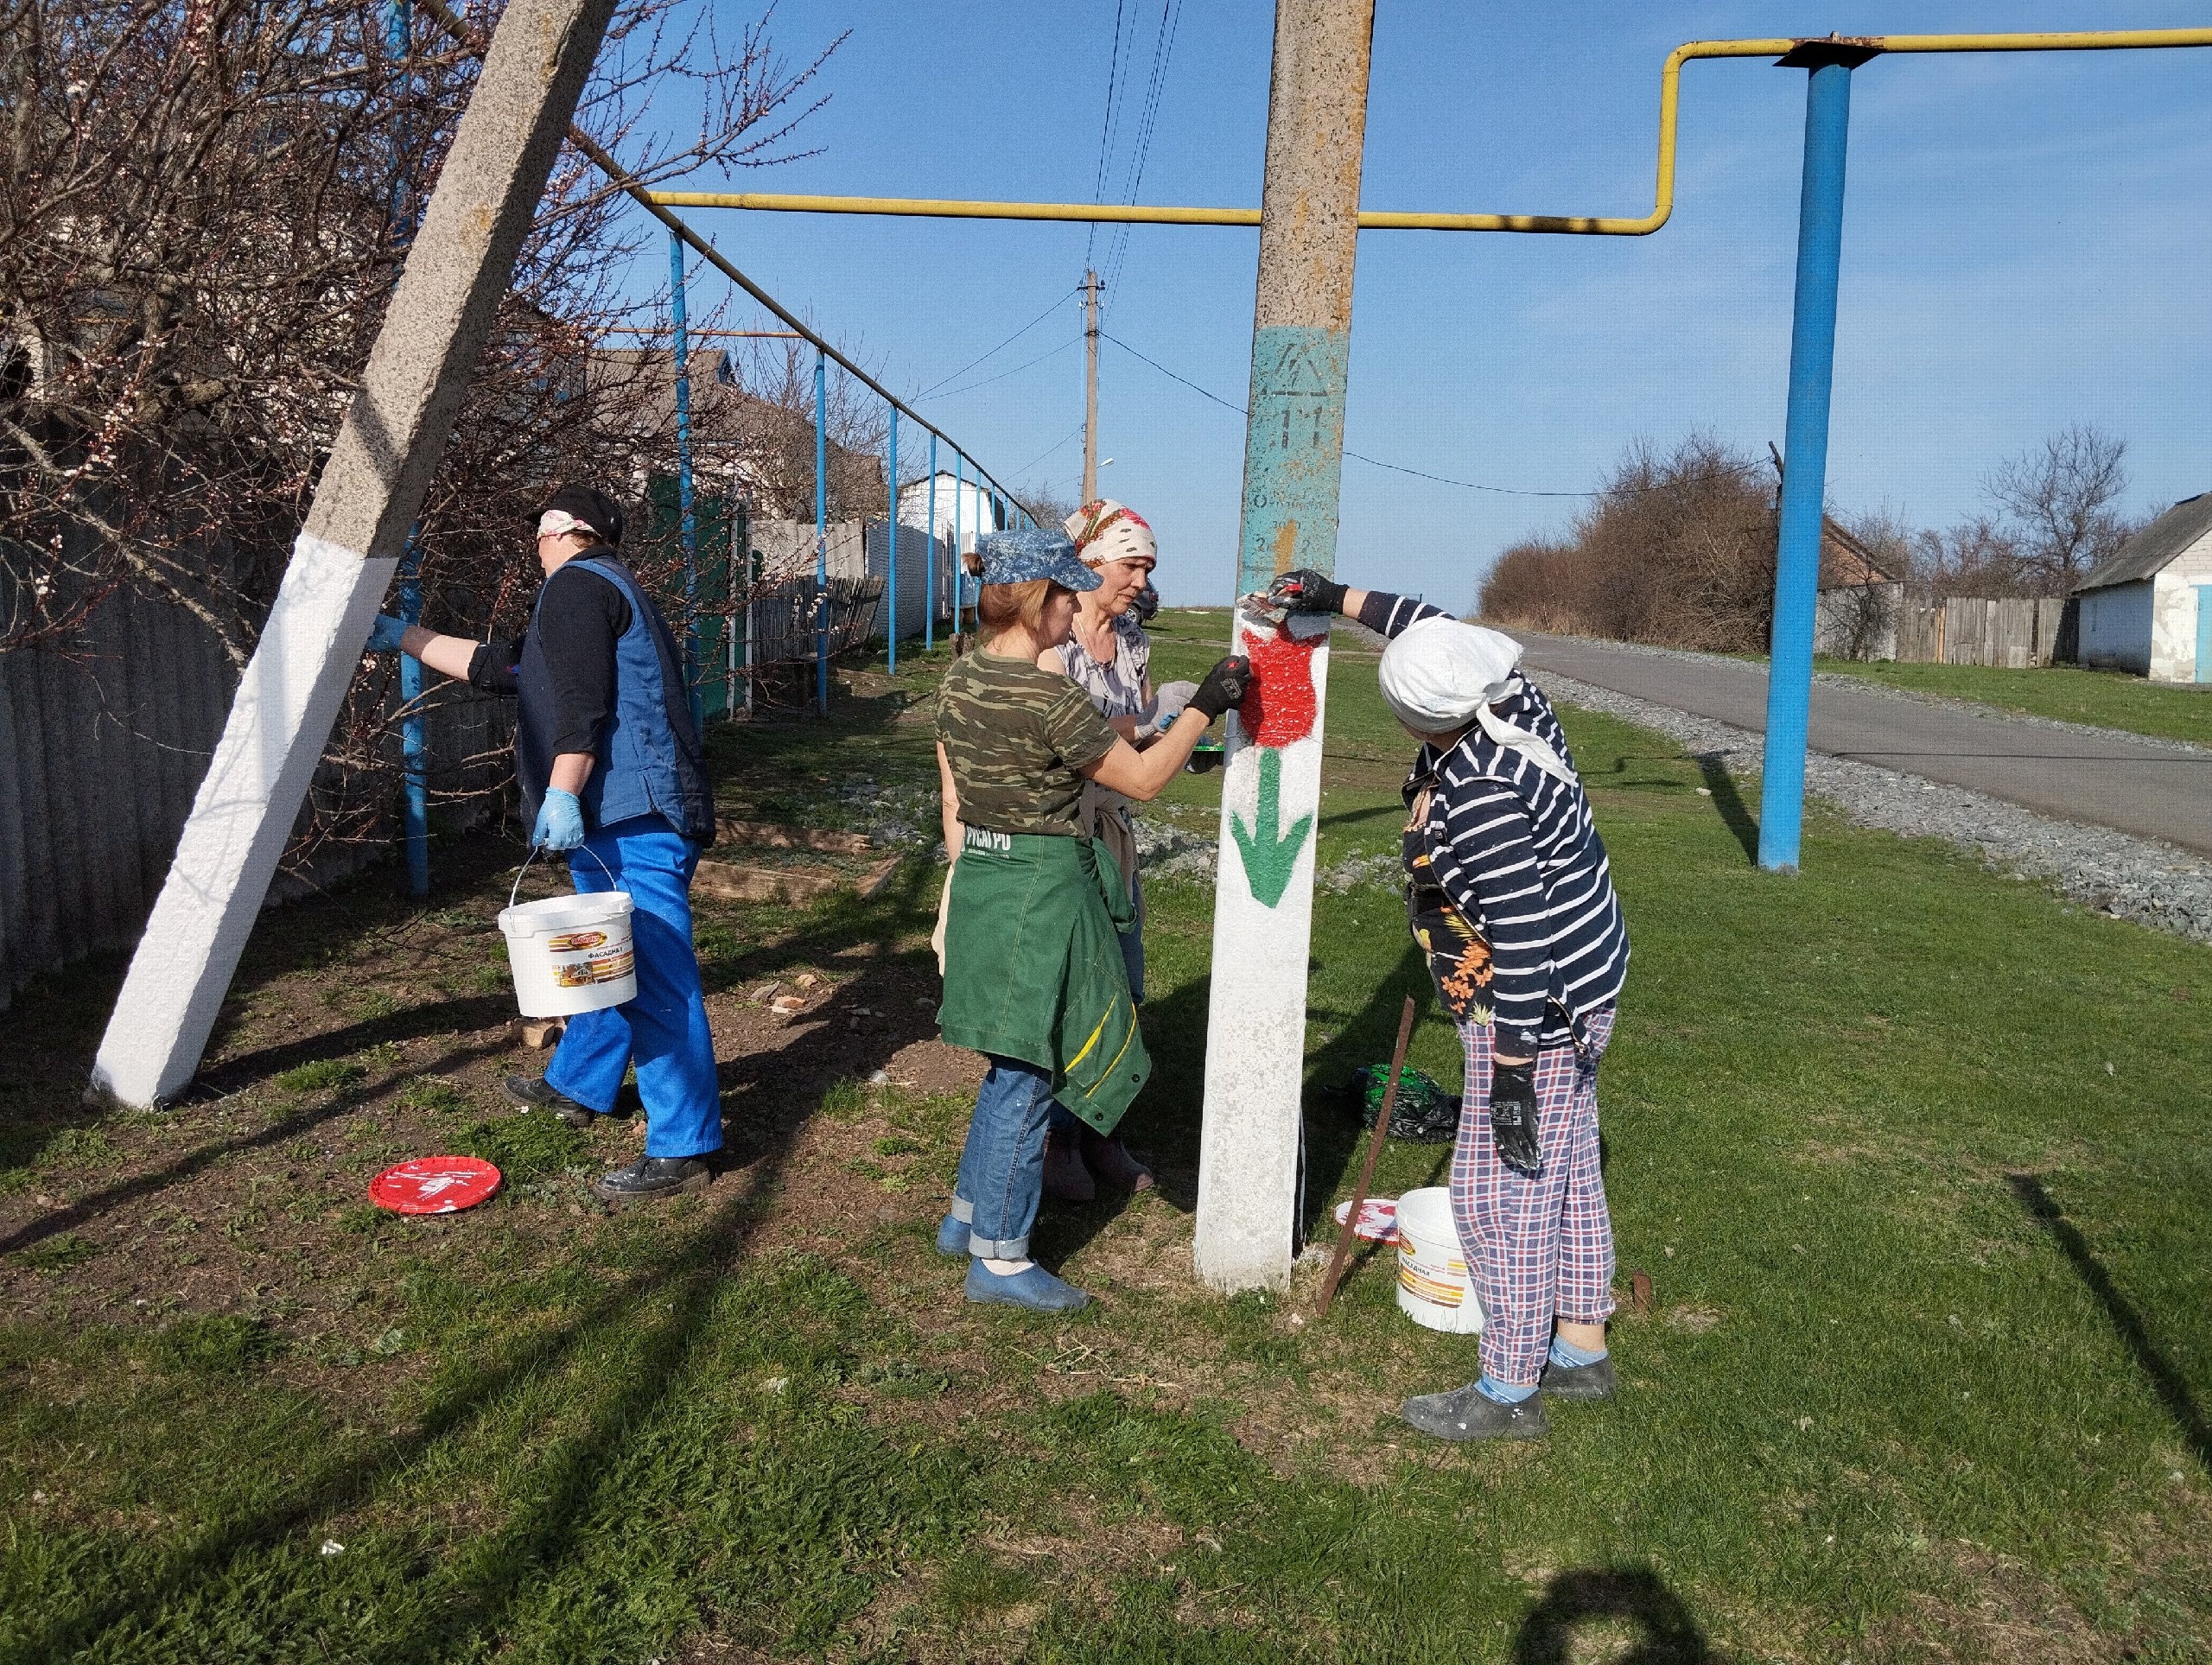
(1032,1287)
(952,1238)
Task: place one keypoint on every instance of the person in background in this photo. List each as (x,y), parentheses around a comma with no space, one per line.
(1510,895)
(609,762)
(1108,655)
(1034,978)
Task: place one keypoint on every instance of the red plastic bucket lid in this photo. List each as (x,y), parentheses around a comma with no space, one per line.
(434,1184)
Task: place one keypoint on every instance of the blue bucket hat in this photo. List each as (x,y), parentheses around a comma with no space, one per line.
(1018,557)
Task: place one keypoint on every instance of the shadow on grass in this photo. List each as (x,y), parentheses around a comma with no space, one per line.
(1713,766)
(1596,1594)
(2167,1382)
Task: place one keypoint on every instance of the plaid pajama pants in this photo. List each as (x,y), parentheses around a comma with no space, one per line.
(1541,1245)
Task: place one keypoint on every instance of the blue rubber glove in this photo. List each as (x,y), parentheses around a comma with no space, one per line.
(384,639)
(560,821)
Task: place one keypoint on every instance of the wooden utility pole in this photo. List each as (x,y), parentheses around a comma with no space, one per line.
(1249,1141)
(1091,288)
(370,493)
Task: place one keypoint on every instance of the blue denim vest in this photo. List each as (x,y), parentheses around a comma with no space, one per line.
(650,761)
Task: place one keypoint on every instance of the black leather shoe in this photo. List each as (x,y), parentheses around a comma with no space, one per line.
(1578,1380)
(651,1177)
(1469,1413)
(532,1094)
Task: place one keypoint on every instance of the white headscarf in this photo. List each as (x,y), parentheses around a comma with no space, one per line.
(1439,674)
(1107,530)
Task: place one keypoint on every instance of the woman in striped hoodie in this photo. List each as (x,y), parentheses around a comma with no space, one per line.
(1510,895)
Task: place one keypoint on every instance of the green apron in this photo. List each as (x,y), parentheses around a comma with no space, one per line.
(1033,968)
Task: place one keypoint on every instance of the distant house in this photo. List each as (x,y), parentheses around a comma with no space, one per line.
(979,510)
(1860,600)
(2149,608)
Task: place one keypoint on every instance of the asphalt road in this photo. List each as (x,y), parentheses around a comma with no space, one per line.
(2102,779)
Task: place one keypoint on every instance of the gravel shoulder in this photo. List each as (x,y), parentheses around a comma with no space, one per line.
(2127,878)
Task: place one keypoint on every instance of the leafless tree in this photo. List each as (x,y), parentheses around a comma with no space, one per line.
(2057,500)
(206,206)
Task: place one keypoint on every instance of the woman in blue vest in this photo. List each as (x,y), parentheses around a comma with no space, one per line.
(608,760)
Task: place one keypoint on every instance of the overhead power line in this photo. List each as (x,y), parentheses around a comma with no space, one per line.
(996,351)
(1049,353)
(1372,462)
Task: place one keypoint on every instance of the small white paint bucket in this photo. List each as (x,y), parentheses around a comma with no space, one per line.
(1432,1286)
(570,953)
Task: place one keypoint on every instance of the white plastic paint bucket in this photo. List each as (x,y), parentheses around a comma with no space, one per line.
(570,953)
(1432,1286)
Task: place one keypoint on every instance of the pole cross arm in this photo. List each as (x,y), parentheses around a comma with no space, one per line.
(1795,52)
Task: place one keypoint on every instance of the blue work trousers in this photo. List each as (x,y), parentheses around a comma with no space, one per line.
(664,1030)
(1002,1165)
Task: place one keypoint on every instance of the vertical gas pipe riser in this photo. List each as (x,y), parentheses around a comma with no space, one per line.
(891,570)
(1250,1138)
(414,730)
(687,524)
(821,534)
(890,635)
(929,572)
(1805,456)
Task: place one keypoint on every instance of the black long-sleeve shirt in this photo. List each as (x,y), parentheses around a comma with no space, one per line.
(579,620)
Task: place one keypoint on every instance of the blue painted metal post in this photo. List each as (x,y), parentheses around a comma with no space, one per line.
(821,533)
(1805,459)
(891,636)
(686,523)
(414,731)
(959,574)
(929,576)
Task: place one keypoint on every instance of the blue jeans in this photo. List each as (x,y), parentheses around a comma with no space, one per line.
(664,1030)
(1002,1165)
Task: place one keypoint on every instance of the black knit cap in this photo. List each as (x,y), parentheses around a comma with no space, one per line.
(594,508)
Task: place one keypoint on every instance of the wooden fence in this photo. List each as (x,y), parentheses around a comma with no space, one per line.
(1975,630)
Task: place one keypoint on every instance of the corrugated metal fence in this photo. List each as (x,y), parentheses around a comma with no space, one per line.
(102,749)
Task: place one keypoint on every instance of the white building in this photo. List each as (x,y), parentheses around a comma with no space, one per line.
(2149,608)
(978,509)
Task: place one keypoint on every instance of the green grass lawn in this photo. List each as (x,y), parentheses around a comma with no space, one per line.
(1914,1154)
(2106,699)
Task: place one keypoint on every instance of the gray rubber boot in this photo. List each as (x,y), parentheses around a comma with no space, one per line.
(1578,1380)
(1469,1413)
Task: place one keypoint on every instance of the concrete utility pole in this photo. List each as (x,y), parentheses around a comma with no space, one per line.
(1271,788)
(368,497)
(1090,288)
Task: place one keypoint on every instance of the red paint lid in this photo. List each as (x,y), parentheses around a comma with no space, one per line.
(435,1184)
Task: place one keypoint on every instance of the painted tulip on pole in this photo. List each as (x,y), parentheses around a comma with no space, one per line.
(1249,1148)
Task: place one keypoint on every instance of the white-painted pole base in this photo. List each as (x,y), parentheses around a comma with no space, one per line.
(1255,1022)
(369,494)
(286,704)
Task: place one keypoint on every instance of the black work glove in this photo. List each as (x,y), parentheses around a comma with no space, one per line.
(1304,590)
(1224,686)
(1513,1115)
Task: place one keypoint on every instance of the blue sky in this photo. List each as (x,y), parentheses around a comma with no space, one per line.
(2026,245)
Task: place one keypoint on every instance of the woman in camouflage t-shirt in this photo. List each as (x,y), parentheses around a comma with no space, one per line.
(1032,977)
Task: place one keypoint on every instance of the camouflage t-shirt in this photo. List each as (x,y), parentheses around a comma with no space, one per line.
(1016,737)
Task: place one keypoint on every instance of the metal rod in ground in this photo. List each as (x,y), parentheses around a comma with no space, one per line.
(1367,1168)
(821,534)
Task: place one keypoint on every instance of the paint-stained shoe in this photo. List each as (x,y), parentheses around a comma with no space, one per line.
(1110,1160)
(953,1236)
(1578,1380)
(1469,1414)
(1032,1287)
(1066,1177)
(651,1177)
(532,1094)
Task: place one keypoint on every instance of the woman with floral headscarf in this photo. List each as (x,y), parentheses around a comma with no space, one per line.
(1108,656)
